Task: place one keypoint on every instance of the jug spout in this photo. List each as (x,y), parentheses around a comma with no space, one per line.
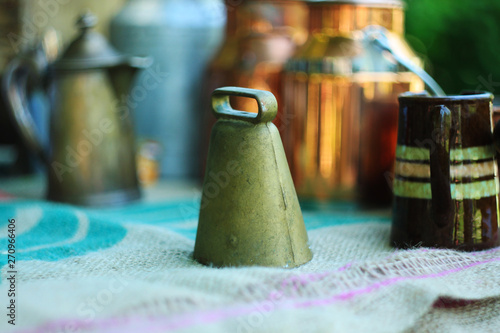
(122,76)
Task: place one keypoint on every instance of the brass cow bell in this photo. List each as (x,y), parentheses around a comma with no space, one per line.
(249,214)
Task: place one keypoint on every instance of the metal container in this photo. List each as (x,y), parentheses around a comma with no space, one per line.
(181,36)
(91,160)
(260,37)
(340,98)
(446,186)
(249,213)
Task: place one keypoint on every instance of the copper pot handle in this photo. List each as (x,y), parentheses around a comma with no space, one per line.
(267,104)
(378,36)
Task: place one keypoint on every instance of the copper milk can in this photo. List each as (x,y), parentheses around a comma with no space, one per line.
(250,213)
(260,37)
(340,99)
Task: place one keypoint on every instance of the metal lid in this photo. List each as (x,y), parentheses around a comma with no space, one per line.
(90,50)
(370,3)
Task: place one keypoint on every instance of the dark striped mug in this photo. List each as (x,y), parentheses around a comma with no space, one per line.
(446,177)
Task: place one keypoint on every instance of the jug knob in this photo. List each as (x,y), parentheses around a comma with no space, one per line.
(86,21)
(266,102)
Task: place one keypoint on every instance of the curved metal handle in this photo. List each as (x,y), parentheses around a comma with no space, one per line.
(14,85)
(378,36)
(267,104)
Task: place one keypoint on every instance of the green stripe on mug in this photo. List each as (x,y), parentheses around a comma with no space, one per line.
(474,170)
(457,172)
(458,154)
(472,153)
(409,169)
(412,153)
(408,189)
(475,190)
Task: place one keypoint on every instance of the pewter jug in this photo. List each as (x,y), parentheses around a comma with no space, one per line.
(91,159)
(181,36)
(249,213)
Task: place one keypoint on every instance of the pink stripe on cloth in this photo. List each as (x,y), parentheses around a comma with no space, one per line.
(305,279)
(493,250)
(4,196)
(162,324)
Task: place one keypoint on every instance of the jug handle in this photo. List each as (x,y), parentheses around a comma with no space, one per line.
(17,74)
(378,36)
(267,104)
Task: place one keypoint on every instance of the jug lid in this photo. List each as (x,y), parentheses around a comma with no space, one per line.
(90,50)
(371,3)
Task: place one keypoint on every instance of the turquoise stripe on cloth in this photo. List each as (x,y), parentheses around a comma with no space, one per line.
(50,231)
(46,231)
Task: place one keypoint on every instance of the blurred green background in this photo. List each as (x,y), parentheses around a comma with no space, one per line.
(459,41)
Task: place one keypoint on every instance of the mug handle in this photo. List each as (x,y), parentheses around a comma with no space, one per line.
(496,136)
(17,74)
(442,203)
(267,104)
(378,36)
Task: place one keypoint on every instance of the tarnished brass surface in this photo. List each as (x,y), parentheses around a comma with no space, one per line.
(91,160)
(249,213)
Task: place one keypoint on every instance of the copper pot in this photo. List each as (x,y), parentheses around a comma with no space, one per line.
(340,99)
(260,37)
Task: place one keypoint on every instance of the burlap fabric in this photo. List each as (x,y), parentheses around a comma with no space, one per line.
(88,279)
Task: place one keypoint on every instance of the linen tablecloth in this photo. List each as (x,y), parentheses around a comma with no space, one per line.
(131,269)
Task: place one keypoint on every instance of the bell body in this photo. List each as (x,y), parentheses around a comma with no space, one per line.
(92,160)
(249,214)
(340,99)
